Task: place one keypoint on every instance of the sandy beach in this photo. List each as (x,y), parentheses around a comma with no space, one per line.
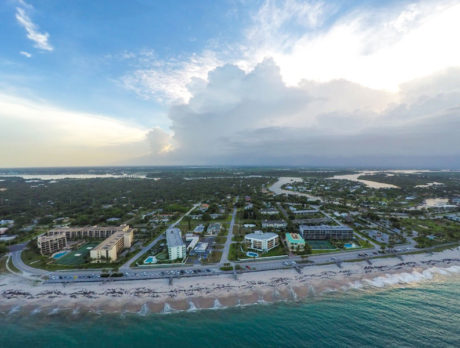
(18,294)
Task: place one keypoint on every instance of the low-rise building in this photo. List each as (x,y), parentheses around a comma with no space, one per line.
(274,224)
(200,249)
(269,211)
(249,206)
(6,222)
(295,242)
(199,229)
(214,228)
(176,246)
(326,232)
(453,217)
(262,241)
(108,250)
(48,245)
(191,240)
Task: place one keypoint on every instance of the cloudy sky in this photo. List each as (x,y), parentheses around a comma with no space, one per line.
(320,83)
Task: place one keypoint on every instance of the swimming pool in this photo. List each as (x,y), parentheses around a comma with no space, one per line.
(252,254)
(150,259)
(59,254)
(350,245)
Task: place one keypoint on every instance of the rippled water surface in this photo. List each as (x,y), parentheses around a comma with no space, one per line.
(425,315)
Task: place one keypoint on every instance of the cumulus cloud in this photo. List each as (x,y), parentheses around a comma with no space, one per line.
(160,142)
(255,118)
(379,49)
(40,39)
(167,81)
(34,133)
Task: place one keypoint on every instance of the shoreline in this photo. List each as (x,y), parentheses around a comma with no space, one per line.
(19,295)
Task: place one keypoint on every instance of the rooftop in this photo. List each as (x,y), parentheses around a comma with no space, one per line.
(325,227)
(294,238)
(91,228)
(174,238)
(261,236)
(108,243)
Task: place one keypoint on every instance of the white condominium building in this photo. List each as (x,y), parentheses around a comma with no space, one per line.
(176,246)
(262,241)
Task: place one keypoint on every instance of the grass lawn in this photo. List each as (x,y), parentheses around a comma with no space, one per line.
(76,257)
(184,225)
(32,257)
(235,252)
(214,256)
(220,240)
(324,251)
(160,252)
(278,251)
(3,264)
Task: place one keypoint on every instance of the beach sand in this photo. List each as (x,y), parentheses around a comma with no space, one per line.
(214,292)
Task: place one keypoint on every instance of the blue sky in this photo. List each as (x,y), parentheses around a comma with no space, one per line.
(91,38)
(135,74)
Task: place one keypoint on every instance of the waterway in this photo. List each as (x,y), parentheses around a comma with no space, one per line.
(368,183)
(276,188)
(75,176)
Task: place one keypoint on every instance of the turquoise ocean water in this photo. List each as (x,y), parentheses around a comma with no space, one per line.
(425,315)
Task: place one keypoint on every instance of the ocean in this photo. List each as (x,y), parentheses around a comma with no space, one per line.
(426,314)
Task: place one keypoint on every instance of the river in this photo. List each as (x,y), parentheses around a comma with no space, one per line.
(368,183)
(276,187)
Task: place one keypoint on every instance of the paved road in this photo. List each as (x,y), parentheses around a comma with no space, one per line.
(126,267)
(224,258)
(283,211)
(19,264)
(199,271)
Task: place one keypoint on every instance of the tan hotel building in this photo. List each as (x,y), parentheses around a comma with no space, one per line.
(50,244)
(109,248)
(116,239)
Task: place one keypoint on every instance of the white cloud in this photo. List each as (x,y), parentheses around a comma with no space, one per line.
(36,133)
(39,38)
(377,50)
(168,80)
(254,118)
(25,54)
(380,49)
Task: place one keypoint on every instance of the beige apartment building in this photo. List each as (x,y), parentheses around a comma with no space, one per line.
(87,231)
(116,239)
(48,245)
(109,248)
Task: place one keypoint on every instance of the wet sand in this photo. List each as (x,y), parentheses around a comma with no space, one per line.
(20,295)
